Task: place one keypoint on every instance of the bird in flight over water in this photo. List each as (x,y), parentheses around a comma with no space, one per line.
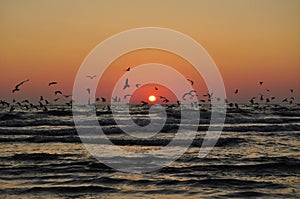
(18,85)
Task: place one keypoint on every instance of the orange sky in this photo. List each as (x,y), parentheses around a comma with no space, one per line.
(249,40)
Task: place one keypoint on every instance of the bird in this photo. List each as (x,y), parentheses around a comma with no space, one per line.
(261,83)
(251,101)
(291,90)
(261,97)
(178,102)
(285,100)
(137,85)
(164,99)
(268,90)
(18,85)
(91,76)
(144,103)
(155,88)
(116,99)
(103,99)
(66,96)
(41,98)
(186,94)
(126,84)
(203,101)
(128,69)
(52,83)
(267,100)
(127,95)
(4,103)
(88,90)
(57,92)
(56,99)
(191,81)
(236,91)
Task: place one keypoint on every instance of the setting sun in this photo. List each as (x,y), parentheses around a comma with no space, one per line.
(152,98)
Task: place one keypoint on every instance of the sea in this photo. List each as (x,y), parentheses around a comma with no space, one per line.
(256,156)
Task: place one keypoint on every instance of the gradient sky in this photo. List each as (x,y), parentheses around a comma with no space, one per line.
(248,40)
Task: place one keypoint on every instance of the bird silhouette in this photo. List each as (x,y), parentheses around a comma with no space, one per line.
(88,90)
(191,81)
(155,88)
(103,99)
(57,92)
(261,83)
(291,90)
(236,91)
(126,84)
(52,83)
(127,95)
(137,85)
(17,87)
(67,96)
(128,69)
(116,99)
(91,76)
(285,100)
(144,103)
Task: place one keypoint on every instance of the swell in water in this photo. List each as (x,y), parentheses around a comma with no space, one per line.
(257,155)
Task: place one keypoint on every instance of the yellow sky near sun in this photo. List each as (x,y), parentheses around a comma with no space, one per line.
(249,40)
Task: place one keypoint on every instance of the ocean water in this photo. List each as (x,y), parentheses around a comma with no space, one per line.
(257,155)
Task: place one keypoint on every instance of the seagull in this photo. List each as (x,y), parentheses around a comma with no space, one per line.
(144,103)
(292,90)
(91,76)
(57,92)
(155,88)
(191,81)
(178,102)
(116,99)
(185,94)
(137,85)
(126,84)
(127,95)
(52,83)
(236,91)
(18,85)
(128,69)
(41,98)
(103,99)
(164,99)
(261,83)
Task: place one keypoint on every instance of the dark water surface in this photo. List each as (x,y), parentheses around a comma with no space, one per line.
(257,155)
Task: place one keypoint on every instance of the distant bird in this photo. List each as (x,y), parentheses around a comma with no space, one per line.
(52,83)
(261,83)
(4,103)
(187,94)
(292,98)
(126,84)
(191,81)
(268,90)
(203,101)
(57,92)
(56,99)
(267,100)
(18,85)
(88,90)
(251,101)
(272,98)
(178,102)
(231,104)
(285,100)
(236,91)
(91,76)
(103,99)
(236,106)
(137,85)
(144,103)
(116,99)
(128,69)
(155,88)
(66,96)
(165,100)
(261,97)
(292,90)
(41,98)
(127,95)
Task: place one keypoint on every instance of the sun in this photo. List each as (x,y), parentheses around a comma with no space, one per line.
(152,98)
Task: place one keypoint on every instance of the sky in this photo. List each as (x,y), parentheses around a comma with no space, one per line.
(250,41)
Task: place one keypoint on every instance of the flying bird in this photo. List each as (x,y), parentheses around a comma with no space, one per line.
(261,83)
(137,85)
(116,99)
(128,69)
(57,92)
(127,95)
(126,84)
(18,85)
(91,76)
(191,81)
(292,90)
(155,88)
(236,91)
(144,103)
(103,99)
(52,83)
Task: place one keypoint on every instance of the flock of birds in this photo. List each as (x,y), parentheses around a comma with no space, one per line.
(43,103)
